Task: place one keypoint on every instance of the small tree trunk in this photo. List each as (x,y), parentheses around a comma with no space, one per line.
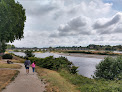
(2,47)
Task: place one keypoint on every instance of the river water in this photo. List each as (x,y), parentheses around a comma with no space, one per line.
(86,65)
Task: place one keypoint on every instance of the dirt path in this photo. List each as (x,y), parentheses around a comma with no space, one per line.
(25,83)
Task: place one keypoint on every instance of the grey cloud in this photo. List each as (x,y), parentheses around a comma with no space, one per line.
(74,27)
(77,23)
(85,32)
(113,38)
(111,22)
(58,14)
(38,7)
(118,29)
(64,34)
(72,11)
(64,28)
(41,10)
(54,35)
(99,39)
(82,38)
(105,31)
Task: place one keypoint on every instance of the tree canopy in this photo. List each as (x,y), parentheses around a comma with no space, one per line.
(12,18)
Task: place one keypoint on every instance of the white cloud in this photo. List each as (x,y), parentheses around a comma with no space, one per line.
(69,22)
(109,26)
(100,23)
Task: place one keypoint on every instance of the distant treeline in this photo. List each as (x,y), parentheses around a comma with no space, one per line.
(69,48)
(94,47)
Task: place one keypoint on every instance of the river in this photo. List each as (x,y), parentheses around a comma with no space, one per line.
(86,65)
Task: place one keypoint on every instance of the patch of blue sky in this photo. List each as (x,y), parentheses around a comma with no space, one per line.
(117,4)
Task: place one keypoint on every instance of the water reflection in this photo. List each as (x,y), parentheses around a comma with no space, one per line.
(86,65)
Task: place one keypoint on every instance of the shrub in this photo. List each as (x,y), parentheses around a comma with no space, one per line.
(109,68)
(7,56)
(29,53)
(54,63)
(73,69)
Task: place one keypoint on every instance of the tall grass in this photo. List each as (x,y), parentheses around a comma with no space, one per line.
(91,85)
(56,83)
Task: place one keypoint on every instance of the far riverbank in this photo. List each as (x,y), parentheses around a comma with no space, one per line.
(84,55)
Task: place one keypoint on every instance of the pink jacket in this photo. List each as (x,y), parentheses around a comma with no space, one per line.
(33,65)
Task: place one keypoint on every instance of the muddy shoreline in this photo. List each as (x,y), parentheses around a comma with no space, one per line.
(85,55)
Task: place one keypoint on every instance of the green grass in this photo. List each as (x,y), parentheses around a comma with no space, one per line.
(91,85)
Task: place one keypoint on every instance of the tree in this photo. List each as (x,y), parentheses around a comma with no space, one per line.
(109,68)
(12,18)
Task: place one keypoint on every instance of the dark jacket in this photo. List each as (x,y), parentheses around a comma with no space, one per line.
(27,63)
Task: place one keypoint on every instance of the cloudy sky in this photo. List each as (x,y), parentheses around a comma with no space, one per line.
(71,23)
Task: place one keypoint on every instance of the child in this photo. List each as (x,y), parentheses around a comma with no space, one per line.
(33,66)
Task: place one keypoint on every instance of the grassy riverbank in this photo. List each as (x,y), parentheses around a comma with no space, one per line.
(55,82)
(61,80)
(57,78)
(91,85)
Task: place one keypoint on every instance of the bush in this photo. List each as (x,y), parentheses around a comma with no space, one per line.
(29,53)
(7,56)
(109,68)
(73,70)
(54,63)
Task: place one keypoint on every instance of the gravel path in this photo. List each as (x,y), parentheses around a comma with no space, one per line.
(25,83)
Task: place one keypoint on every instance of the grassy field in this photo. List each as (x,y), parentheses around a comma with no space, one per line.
(6,76)
(12,66)
(55,82)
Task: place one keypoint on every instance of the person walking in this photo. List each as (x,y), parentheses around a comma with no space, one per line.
(27,64)
(33,66)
